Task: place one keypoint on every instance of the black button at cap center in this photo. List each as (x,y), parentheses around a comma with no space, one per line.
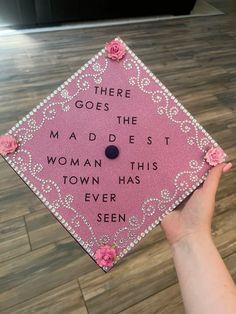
(112,152)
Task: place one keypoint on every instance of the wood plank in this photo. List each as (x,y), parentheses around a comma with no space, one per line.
(13,239)
(44,229)
(41,270)
(167,301)
(225,198)
(66,298)
(12,188)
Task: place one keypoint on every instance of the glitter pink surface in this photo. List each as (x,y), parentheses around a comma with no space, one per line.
(180,164)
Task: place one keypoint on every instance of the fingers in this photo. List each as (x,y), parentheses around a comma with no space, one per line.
(213,179)
(227,167)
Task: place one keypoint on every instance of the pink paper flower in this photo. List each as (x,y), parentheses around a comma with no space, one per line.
(8,144)
(115,50)
(105,255)
(215,156)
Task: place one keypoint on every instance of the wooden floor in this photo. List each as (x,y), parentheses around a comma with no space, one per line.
(43,270)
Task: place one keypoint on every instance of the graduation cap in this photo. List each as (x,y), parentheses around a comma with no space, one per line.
(110,153)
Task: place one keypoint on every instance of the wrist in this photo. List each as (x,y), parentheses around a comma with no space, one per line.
(192,239)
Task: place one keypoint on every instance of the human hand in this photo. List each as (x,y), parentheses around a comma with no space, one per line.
(193,217)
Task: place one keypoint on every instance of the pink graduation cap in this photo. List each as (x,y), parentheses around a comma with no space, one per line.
(110,153)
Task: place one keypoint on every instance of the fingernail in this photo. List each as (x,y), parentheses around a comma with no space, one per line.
(227,167)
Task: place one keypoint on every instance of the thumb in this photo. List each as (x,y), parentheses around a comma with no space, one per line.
(212,181)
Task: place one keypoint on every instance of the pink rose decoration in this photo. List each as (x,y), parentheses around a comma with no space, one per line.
(115,50)
(8,144)
(105,255)
(215,156)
